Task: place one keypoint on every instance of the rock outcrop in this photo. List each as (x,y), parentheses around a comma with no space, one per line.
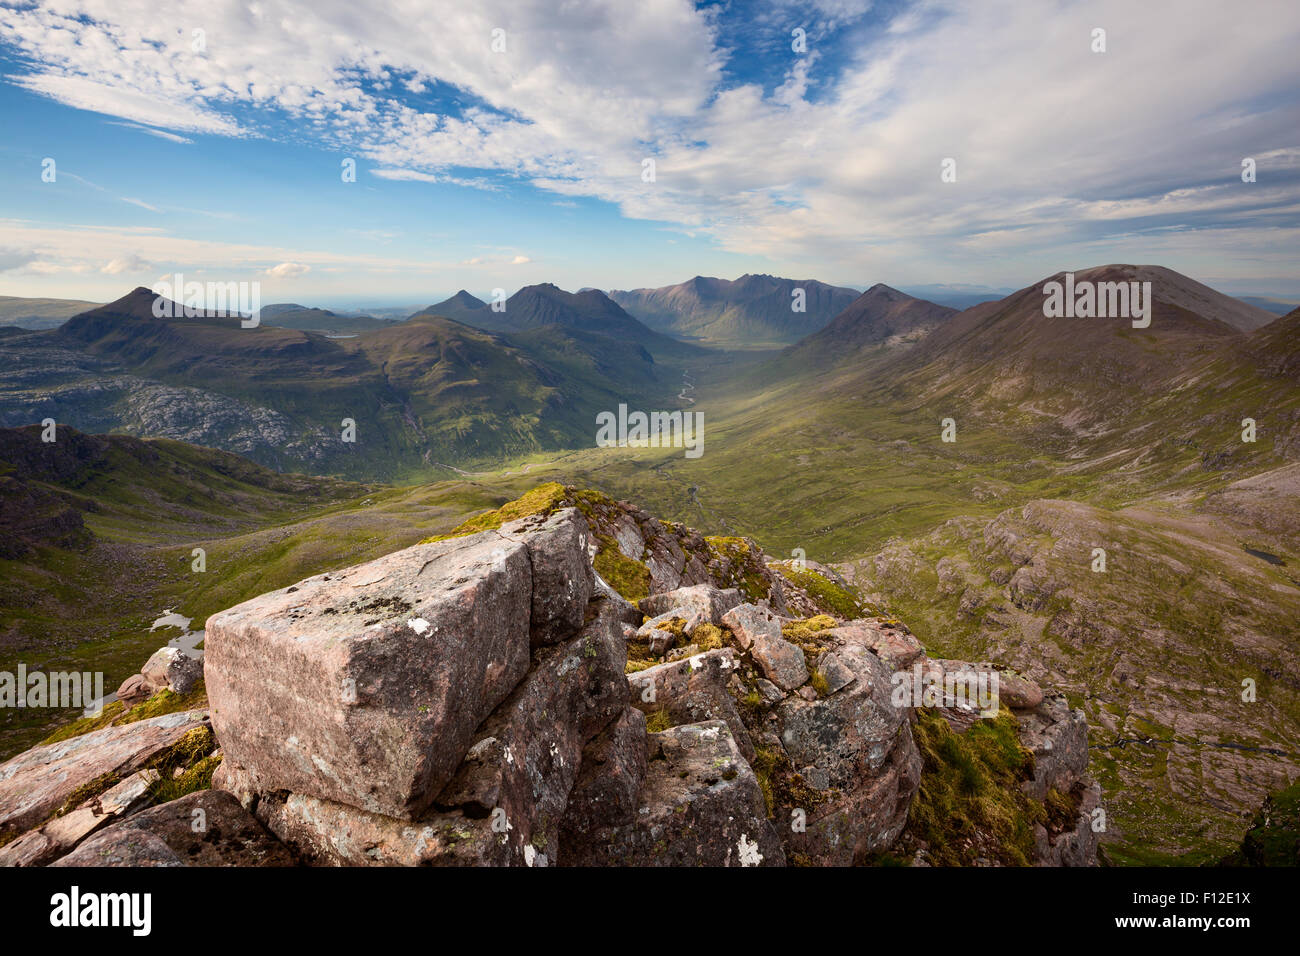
(490,698)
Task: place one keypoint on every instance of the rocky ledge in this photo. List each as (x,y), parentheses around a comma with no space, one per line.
(566,681)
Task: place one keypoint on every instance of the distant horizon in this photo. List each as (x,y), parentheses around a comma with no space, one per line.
(359,303)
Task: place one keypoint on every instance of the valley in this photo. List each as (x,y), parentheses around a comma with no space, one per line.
(1071,435)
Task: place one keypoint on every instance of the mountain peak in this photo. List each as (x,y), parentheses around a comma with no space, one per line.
(456,306)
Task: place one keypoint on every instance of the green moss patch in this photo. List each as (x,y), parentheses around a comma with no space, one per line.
(783,789)
(628,577)
(194,778)
(161,703)
(738,563)
(826,594)
(804,634)
(969,805)
(543,500)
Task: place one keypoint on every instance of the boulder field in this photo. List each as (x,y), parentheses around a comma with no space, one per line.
(565,681)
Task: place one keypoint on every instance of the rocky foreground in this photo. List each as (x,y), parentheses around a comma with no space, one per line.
(565,681)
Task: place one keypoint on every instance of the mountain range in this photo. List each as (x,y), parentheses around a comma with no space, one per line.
(752,311)
(427,390)
(545,305)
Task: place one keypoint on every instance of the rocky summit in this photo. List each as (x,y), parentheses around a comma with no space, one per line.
(563,681)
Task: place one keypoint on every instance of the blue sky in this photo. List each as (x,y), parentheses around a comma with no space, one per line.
(483,168)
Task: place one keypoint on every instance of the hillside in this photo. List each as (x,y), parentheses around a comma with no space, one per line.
(752,311)
(881,316)
(38,313)
(425,391)
(589,311)
(1070,434)
(462,307)
(97,533)
(286,315)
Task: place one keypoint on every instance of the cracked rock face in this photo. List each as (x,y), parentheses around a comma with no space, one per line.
(855,751)
(700,805)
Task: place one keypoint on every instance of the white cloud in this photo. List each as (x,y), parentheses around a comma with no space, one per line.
(126,264)
(288,270)
(161,134)
(1054,144)
(520,260)
(11,259)
(143,107)
(405,174)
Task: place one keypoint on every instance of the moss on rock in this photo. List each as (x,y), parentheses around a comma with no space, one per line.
(970,807)
(627,576)
(826,594)
(543,500)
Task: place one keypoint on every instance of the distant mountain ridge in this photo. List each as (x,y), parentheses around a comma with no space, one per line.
(430,389)
(462,306)
(545,304)
(36,314)
(290,315)
(752,310)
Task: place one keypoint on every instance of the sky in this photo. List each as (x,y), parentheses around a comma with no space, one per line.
(503,143)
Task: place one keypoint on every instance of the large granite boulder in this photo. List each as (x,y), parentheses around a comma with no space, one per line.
(365,686)
(853,751)
(170,668)
(504,804)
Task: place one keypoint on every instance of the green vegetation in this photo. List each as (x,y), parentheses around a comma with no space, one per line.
(741,566)
(194,778)
(970,805)
(804,633)
(625,575)
(542,500)
(709,637)
(842,460)
(829,596)
(783,789)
